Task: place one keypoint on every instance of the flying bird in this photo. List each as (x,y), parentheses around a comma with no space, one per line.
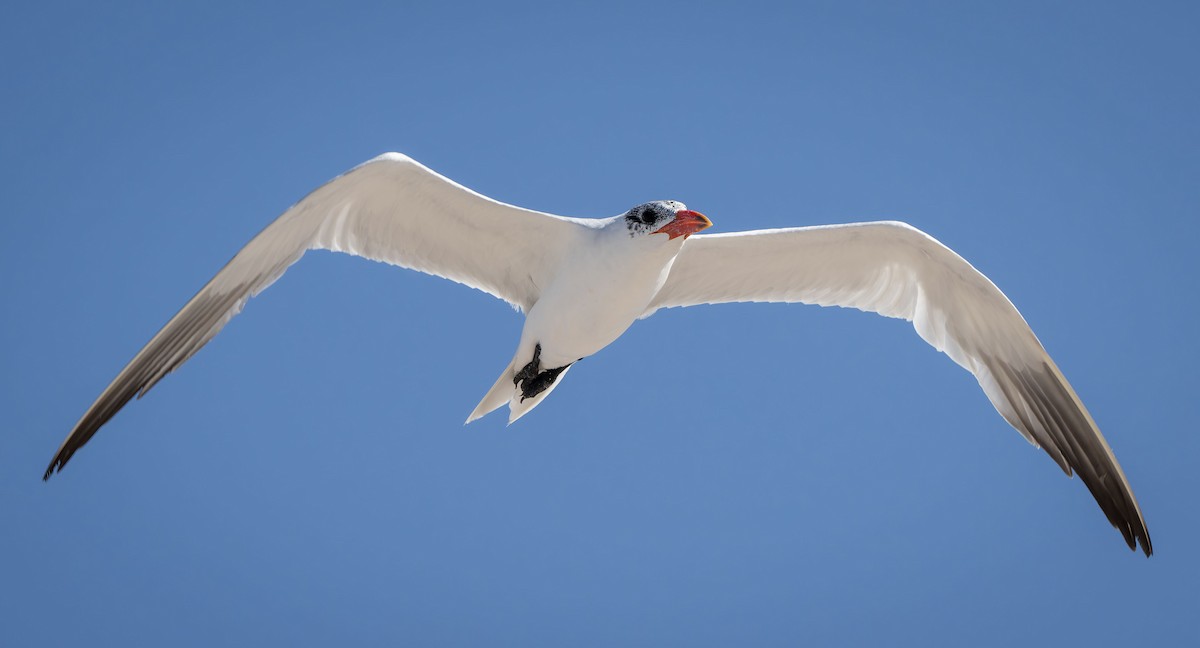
(582,282)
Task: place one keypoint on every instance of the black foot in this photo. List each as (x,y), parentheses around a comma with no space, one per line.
(530,371)
(532,380)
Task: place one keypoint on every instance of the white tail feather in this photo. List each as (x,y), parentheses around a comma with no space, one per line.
(499,394)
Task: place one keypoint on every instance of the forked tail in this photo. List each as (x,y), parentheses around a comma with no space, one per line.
(522,397)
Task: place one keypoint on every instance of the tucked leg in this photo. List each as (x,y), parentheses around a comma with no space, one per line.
(532,379)
(530,370)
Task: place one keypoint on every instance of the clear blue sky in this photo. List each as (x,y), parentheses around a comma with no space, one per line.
(306,479)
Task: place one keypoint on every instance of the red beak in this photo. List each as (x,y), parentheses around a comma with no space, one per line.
(685,223)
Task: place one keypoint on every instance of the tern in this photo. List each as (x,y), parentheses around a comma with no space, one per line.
(582,282)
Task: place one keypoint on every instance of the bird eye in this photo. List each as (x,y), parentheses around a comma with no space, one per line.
(648,216)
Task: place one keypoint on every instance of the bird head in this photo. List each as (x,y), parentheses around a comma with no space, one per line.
(665,217)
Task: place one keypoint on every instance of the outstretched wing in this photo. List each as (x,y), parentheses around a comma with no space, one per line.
(897,270)
(390,209)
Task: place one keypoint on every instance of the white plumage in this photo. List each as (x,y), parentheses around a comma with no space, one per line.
(583,282)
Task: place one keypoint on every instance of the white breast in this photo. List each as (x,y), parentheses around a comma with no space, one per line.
(606,283)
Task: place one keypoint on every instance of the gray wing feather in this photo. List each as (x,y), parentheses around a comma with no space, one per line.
(898,271)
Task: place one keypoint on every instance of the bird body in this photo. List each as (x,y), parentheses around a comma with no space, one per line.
(606,282)
(584,282)
(604,286)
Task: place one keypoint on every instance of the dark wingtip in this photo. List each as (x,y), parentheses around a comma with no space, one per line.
(1137,534)
(57,463)
(1134,532)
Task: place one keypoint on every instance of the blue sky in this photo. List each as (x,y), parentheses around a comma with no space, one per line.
(306,479)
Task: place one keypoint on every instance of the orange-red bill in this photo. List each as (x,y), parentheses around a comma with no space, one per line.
(685,223)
